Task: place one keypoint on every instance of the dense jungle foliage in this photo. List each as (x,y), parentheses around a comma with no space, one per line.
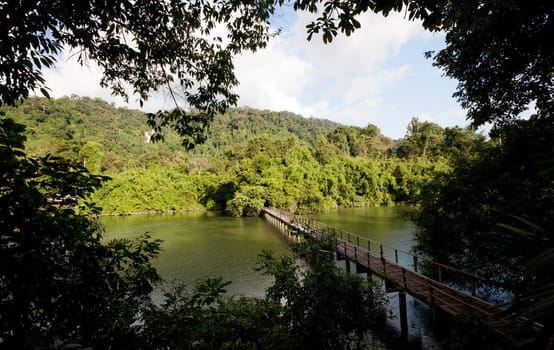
(64,287)
(504,198)
(250,158)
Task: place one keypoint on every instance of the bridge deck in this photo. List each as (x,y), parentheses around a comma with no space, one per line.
(426,289)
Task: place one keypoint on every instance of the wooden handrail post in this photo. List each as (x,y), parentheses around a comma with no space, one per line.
(431,295)
(433,307)
(469,297)
(403,314)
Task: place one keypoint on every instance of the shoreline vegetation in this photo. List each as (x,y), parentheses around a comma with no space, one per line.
(200,210)
(63,287)
(176,211)
(250,158)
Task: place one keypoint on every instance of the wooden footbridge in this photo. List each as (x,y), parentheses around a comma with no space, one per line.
(369,256)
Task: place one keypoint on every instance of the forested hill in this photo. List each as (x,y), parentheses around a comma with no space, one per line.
(251,158)
(64,126)
(242,124)
(67,127)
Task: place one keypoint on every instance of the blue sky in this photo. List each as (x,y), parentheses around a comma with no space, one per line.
(378,75)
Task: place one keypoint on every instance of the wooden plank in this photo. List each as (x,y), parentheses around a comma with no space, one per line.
(436,293)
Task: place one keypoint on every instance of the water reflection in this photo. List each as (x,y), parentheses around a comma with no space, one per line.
(200,245)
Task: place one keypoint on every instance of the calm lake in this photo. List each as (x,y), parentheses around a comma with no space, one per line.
(203,244)
(198,245)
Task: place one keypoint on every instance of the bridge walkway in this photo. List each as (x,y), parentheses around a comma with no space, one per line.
(432,291)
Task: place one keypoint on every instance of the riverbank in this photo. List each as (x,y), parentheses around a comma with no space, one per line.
(158,212)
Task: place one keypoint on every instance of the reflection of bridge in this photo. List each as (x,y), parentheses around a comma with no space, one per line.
(368,256)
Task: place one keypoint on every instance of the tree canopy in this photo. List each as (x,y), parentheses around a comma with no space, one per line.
(149,45)
(54,268)
(251,157)
(141,46)
(62,286)
(52,260)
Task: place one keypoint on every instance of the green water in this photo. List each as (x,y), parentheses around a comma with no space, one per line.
(385,225)
(200,245)
(203,244)
(389,227)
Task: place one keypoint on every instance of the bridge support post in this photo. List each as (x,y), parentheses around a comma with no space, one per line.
(433,307)
(403,314)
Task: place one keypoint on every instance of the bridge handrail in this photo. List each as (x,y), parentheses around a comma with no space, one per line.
(472,300)
(322,226)
(419,257)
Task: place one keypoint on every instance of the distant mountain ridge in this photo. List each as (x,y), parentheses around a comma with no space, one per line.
(245,123)
(64,126)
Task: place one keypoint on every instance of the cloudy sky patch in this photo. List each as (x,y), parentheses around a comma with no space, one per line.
(377,75)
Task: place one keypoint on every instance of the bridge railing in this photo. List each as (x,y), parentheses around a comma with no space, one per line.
(468,282)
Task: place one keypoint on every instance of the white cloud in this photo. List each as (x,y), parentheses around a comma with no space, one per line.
(70,77)
(342,81)
(272,78)
(365,78)
(452,117)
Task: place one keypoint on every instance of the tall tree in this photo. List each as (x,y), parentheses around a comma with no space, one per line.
(154,44)
(502,55)
(423,139)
